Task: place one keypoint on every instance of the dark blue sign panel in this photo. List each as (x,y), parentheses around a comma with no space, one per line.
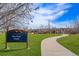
(16,36)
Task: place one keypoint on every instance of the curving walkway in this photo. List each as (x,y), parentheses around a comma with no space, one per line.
(50,47)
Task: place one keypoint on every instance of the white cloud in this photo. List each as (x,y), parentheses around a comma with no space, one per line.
(60,4)
(60,7)
(41,19)
(44,11)
(63,6)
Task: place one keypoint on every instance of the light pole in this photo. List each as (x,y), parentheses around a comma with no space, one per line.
(49,27)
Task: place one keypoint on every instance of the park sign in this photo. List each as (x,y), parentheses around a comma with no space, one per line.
(16,35)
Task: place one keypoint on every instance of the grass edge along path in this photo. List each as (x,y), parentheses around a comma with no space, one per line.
(70,42)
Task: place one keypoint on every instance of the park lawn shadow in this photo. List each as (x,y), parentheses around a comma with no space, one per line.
(8,50)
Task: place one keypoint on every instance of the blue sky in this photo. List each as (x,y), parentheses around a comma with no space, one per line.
(59,15)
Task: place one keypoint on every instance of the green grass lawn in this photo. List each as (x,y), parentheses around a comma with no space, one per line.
(71,42)
(18,49)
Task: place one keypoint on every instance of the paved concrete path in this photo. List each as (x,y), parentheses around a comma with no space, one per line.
(50,47)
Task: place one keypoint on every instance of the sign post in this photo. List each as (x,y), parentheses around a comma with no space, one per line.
(5,42)
(16,35)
